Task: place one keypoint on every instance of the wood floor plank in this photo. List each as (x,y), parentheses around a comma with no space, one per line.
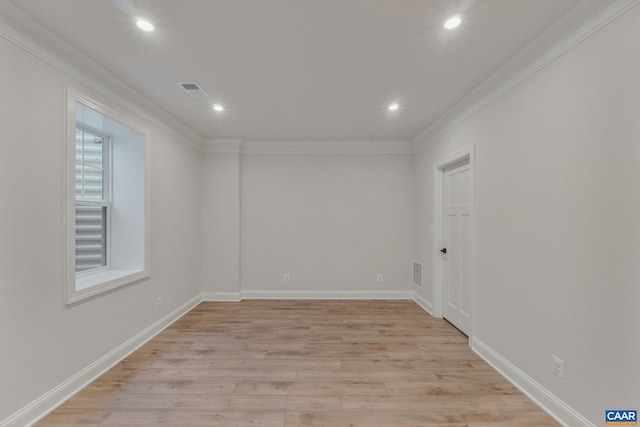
(123,418)
(368,419)
(198,418)
(64,417)
(303,363)
(266,403)
(310,388)
(180,387)
(440,388)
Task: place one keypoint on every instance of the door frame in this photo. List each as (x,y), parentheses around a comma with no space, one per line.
(462,155)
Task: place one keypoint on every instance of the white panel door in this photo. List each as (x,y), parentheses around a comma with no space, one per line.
(455,251)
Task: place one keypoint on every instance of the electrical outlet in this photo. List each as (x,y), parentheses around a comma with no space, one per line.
(557,366)
(158,302)
(379,278)
(287,277)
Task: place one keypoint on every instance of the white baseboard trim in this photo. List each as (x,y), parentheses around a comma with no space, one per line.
(221,296)
(324,295)
(46,403)
(426,305)
(555,407)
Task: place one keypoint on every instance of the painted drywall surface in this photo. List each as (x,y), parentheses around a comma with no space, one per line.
(423,232)
(176,211)
(331,221)
(43,342)
(557,207)
(221,222)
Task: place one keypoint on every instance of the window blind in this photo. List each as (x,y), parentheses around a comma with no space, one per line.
(91,201)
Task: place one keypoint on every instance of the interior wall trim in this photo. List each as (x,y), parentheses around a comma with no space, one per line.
(222,146)
(552,404)
(327,295)
(46,403)
(221,296)
(15,27)
(40,407)
(307,147)
(422,302)
(520,68)
(27,34)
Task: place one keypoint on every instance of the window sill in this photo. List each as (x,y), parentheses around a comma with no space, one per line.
(90,285)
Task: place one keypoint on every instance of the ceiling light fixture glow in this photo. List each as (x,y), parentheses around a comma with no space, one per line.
(453,22)
(218,107)
(145,25)
(393,107)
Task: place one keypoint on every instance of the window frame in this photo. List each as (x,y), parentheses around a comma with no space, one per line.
(91,283)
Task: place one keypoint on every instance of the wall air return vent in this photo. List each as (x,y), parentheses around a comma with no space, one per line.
(417,274)
(193,90)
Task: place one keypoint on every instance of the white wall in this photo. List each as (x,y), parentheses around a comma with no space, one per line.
(557,208)
(331,221)
(556,242)
(221,224)
(43,342)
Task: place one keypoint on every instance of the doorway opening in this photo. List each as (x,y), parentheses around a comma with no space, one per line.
(454,189)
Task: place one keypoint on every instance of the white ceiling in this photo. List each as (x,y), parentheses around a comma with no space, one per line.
(301,70)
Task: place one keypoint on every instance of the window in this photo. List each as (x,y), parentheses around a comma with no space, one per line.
(106,209)
(92,199)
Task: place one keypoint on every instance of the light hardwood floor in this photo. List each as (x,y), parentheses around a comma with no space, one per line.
(303,363)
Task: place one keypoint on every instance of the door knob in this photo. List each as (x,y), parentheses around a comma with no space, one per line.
(443,250)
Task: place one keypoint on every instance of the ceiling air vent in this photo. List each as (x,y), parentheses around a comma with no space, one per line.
(193,90)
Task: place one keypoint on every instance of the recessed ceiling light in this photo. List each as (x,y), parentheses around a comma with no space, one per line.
(393,107)
(145,25)
(218,107)
(453,22)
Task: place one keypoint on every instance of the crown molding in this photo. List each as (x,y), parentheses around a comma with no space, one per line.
(586,19)
(21,30)
(222,146)
(327,147)
(306,147)
(29,35)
